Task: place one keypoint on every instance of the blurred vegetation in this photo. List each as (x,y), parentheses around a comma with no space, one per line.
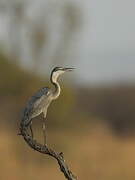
(91,151)
(113,105)
(41,32)
(79,122)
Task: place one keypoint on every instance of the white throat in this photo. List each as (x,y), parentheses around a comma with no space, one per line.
(54,80)
(56,91)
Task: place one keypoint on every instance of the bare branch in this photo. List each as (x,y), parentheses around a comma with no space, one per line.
(46,150)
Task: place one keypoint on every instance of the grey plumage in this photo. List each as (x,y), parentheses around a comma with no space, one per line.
(35,105)
(39,102)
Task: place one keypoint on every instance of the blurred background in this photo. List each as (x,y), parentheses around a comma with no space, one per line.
(93,121)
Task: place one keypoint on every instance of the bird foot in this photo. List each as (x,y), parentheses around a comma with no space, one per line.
(19,134)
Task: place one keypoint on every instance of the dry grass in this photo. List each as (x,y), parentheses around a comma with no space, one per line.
(93,154)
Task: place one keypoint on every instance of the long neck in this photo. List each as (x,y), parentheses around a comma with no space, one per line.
(57,89)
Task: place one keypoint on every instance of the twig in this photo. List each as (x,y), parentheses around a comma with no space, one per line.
(46,150)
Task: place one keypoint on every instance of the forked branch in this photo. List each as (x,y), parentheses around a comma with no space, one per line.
(46,150)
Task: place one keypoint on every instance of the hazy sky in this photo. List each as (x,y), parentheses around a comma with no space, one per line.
(109,41)
(105,47)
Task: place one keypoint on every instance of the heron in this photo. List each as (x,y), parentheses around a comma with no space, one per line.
(41,100)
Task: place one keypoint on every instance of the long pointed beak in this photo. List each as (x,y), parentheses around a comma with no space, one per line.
(68,69)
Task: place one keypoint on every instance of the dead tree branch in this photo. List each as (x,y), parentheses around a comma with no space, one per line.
(46,150)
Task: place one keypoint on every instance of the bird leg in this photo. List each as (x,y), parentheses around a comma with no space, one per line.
(44,131)
(31,130)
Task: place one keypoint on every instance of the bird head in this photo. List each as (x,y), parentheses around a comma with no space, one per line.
(57,71)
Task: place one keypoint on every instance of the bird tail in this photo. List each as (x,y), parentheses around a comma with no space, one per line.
(25,122)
